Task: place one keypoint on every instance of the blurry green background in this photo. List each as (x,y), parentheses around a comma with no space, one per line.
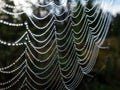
(106,73)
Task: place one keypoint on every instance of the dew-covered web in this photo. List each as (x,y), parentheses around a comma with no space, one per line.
(56,44)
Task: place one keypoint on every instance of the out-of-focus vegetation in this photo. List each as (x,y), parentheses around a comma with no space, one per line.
(106,73)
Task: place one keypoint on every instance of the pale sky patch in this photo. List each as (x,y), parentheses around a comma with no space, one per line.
(113,7)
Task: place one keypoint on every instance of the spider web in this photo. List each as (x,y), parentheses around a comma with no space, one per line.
(57,48)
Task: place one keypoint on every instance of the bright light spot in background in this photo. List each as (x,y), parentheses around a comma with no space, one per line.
(1,4)
(26,5)
(24,2)
(105,5)
(64,3)
(113,7)
(83,2)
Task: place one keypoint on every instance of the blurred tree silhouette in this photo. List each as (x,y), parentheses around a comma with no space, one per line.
(115,26)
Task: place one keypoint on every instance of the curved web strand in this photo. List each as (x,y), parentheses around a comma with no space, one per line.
(60,44)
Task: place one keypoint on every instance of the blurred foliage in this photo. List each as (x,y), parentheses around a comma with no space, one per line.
(106,73)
